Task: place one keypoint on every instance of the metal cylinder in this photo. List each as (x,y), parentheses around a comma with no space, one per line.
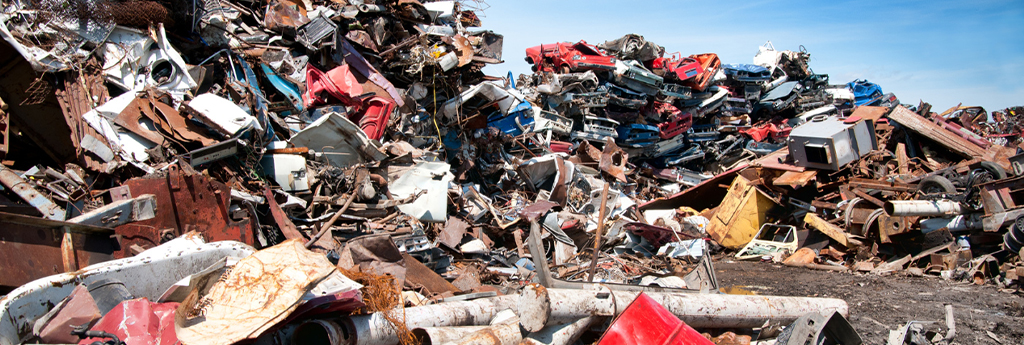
(563,334)
(697,310)
(964,222)
(443,335)
(373,329)
(922,208)
(319,332)
(504,334)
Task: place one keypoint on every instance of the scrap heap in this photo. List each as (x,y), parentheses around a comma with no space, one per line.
(343,172)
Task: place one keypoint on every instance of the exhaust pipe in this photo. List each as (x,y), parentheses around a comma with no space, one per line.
(922,208)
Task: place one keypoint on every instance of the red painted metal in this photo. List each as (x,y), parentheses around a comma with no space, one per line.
(373,119)
(646,322)
(565,57)
(186,201)
(676,126)
(139,322)
(677,67)
(339,83)
(710,63)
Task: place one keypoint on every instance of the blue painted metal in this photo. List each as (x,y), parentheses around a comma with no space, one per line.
(864,92)
(638,135)
(746,72)
(283,86)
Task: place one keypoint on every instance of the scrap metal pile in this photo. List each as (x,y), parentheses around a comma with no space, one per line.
(286,171)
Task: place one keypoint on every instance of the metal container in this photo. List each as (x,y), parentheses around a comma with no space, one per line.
(828,143)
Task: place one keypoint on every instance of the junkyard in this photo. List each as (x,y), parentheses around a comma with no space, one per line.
(349,172)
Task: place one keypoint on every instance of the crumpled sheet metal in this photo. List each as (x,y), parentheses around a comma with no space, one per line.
(259,291)
(165,67)
(434,178)
(613,160)
(343,143)
(188,201)
(374,253)
(145,275)
(139,322)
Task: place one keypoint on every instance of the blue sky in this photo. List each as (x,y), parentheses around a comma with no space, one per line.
(942,52)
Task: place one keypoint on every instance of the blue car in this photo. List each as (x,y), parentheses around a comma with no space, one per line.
(865,93)
(747,73)
(637,135)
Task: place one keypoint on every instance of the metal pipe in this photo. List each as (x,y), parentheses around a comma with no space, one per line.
(563,334)
(597,235)
(964,222)
(922,208)
(327,226)
(503,334)
(443,335)
(373,329)
(319,332)
(697,310)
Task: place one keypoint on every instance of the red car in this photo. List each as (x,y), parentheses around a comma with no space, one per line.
(710,63)
(565,57)
(677,68)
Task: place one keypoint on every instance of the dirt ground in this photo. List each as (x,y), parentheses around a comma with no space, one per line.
(879,304)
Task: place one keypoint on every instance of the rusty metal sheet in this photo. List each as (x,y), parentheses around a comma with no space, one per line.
(419,275)
(863,183)
(30,247)
(869,112)
(795,179)
(888,226)
(943,137)
(188,201)
(835,232)
(283,223)
(454,230)
(704,195)
(468,279)
(613,160)
(775,160)
(536,210)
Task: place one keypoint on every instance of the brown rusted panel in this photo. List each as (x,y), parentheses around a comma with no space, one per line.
(795,179)
(888,226)
(947,139)
(32,251)
(287,227)
(864,183)
(869,112)
(453,232)
(187,201)
(419,275)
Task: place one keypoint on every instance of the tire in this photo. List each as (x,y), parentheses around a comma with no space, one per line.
(1011,244)
(998,173)
(936,184)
